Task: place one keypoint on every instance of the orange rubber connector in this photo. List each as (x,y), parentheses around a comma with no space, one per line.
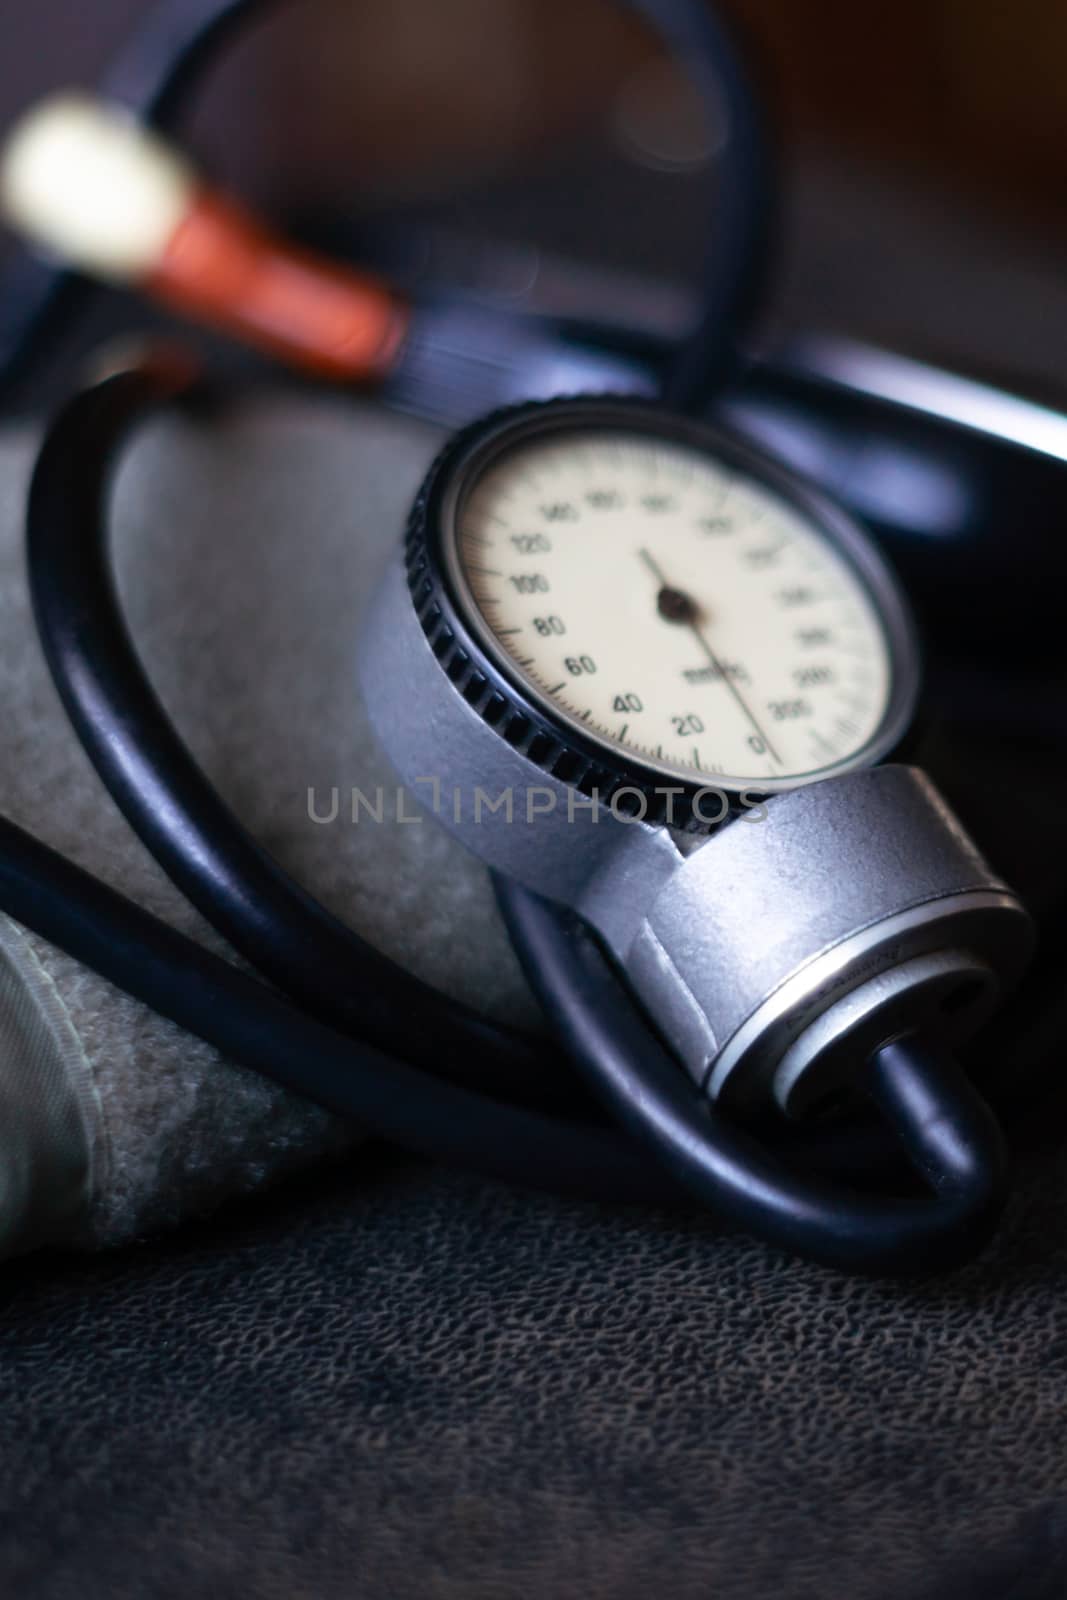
(220,266)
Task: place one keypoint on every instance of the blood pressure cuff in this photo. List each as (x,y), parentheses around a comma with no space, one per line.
(246,550)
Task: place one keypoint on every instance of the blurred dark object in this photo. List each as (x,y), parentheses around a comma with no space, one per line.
(921,472)
(922,144)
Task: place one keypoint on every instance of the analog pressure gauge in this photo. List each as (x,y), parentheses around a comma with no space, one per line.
(668,606)
(650,674)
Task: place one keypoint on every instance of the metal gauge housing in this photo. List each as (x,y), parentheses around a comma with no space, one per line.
(616,629)
(639,601)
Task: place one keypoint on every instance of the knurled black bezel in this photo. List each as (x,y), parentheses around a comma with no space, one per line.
(505,702)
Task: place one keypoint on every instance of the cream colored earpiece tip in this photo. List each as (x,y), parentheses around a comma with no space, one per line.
(82,180)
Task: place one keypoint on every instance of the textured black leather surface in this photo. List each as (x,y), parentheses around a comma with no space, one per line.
(408,1383)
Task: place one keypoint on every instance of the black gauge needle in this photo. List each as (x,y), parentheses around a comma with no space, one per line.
(676,606)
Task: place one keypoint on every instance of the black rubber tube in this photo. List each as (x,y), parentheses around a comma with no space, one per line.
(145,765)
(738,252)
(259,1029)
(338,979)
(945,1129)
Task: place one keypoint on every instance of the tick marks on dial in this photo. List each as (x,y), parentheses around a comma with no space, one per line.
(733,570)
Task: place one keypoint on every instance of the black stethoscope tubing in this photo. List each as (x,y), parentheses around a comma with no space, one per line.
(330,973)
(340,987)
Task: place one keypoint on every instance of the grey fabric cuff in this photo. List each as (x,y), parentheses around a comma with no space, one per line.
(49,1108)
(246,550)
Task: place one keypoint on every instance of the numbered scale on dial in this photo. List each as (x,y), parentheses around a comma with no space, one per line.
(674,606)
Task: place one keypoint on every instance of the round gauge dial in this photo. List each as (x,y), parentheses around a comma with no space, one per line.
(670,603)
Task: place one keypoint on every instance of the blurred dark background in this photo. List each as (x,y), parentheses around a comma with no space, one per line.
(924,146)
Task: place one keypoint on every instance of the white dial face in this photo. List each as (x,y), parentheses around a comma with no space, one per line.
(673,608)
